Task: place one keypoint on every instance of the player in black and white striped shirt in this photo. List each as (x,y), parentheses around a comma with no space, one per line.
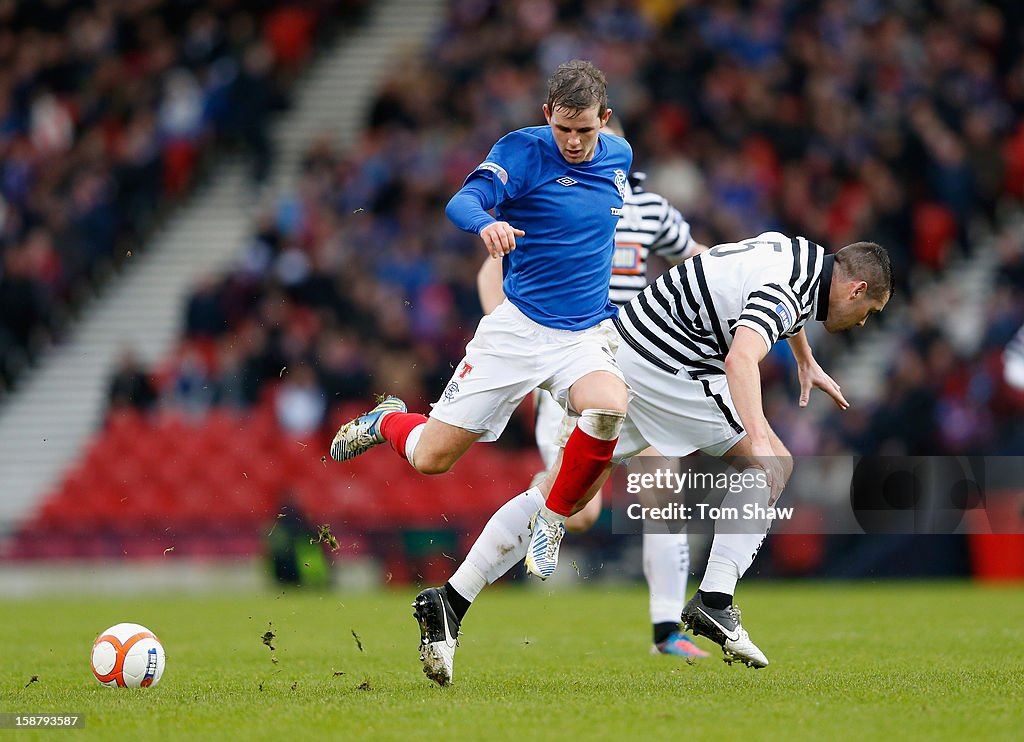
(692,342)
(691,345)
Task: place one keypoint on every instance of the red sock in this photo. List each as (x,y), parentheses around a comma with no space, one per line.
(584,459)
(396,426)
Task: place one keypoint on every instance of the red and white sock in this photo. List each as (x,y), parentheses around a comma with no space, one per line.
(587,453)
(403,430)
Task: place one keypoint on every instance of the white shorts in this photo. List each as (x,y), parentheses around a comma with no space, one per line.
(673,413)
(511,355)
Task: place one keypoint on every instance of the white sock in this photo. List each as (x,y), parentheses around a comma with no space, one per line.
(411,441)
(666,567)
(733,553)
(468,581)
(721,574)
(500,546)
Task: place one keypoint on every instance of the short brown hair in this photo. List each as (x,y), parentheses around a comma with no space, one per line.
(869,262)
(576,86)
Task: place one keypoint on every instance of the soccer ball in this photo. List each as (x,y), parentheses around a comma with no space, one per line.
(127,656)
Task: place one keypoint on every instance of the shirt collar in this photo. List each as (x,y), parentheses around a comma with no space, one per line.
(824,287)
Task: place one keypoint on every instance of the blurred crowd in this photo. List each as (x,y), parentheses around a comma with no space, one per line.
(108,111)
(839,121)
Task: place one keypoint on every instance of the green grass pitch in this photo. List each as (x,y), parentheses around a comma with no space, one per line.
(849,661)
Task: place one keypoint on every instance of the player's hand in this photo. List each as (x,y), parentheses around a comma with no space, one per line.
(500,238)
(765,458)
(813,376)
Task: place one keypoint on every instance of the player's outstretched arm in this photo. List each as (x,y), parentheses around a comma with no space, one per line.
(812,375)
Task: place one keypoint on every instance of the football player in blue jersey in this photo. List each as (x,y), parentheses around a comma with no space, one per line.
(649,226)
(556,192)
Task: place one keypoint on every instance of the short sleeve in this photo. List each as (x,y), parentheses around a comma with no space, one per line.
(771,311)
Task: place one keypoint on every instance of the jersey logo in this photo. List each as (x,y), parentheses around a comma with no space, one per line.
(466,368)
(620,182)
(787,321)
(496,169)
(627,261)
(566,181)
(616,212)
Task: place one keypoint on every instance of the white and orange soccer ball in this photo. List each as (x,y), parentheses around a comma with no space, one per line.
(128,656)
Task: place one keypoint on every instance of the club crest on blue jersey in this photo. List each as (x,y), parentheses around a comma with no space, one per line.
(620,182)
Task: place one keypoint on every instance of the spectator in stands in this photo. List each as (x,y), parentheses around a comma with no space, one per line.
(300,403)
(108,109)
(130,385)
(191,388)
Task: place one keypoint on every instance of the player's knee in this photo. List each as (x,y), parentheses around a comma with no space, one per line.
(616,397)
(603,424)
(602,390)
(430,462)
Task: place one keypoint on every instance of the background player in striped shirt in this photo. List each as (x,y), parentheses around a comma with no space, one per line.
(692,342)
(650,225)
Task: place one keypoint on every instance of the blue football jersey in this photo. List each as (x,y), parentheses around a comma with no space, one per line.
(558,274)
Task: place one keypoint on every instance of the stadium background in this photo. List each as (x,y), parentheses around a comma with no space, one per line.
(178,447)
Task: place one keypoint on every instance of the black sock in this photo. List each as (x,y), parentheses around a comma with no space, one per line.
(663,631)
(459,604)
(718,601)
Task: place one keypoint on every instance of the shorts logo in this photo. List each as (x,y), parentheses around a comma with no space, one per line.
(496,169)
(466,368)
(566,181)
(451,390)
(616,212)
(787,321)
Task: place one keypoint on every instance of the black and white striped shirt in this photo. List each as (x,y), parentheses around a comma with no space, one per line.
(649,224)
(686,318)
